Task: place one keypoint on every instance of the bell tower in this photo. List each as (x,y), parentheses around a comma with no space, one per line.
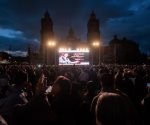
(93,38)
(93,28)
(46,35)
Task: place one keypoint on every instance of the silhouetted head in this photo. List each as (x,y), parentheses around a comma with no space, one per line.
(20,78)
(107,81)
(62,86)
(91,86)
(113,109)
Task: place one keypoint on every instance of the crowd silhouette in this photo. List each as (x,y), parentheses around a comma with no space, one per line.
(74,95)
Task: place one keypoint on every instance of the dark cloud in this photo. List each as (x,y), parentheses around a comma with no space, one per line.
(123,17)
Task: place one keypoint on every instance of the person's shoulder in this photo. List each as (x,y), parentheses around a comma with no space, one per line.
(96,98)
(117,91)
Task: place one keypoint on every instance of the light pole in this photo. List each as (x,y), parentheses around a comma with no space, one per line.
(96,44)
(51,44)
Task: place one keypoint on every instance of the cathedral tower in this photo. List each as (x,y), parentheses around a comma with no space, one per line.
(93,38)
(46,34)
(93,29)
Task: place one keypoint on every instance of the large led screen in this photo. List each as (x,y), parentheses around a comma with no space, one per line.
(74,57)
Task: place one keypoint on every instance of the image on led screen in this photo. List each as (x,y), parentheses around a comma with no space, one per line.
(73,58)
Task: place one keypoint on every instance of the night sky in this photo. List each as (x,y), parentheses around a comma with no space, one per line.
(20,20)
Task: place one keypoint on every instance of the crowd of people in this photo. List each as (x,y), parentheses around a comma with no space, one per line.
(74,95)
